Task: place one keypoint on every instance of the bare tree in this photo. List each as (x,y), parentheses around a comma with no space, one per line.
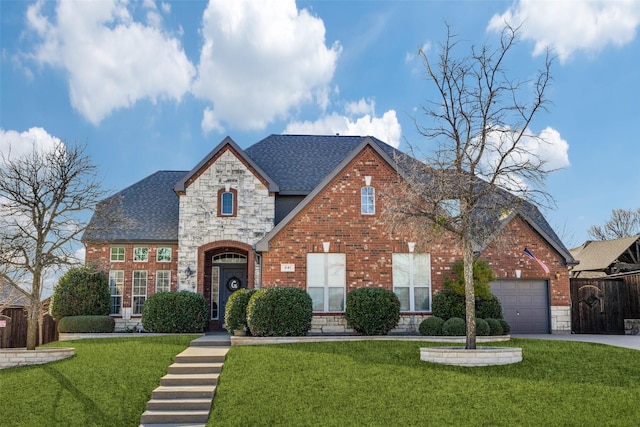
(42,195)
(481,167)
(623,223)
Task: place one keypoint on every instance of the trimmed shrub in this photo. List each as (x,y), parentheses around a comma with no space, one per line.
(506,327)
(175,312)
(235,312)
(447,304)
(431,326)
(82,291)
(372,311)
(86,324)
(489,308)
(279,312)
(454,327)
(495,327)
(482,327)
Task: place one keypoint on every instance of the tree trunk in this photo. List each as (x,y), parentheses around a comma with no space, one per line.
(469,294)
(33,314)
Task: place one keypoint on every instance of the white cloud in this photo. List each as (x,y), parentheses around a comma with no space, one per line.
(570,26)
(111,61)
(17,144)
(386,128)
(260,60)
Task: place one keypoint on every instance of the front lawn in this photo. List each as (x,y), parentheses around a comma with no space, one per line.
(384,383)
(107,383)
(365,383)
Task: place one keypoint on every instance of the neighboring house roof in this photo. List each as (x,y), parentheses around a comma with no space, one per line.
(600,254)
(12,297)
(145,211)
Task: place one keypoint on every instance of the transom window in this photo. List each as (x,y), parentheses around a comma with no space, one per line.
(163,281)
(412,281)
(116,288)
(139,290)
(163,255)
(368,200)
(141,254)
(117,254)
(229,258)
(326,281)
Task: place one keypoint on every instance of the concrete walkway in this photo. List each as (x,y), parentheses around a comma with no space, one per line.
(626,341)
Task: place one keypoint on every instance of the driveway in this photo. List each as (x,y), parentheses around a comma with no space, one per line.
(627,341)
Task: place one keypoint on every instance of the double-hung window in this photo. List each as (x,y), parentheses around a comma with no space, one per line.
(412,281)
(139,290)
(326,281)
(163,280)
(116,288)
(367,200)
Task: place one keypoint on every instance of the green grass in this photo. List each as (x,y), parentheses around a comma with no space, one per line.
(107,383)
(365,383)
(384,383)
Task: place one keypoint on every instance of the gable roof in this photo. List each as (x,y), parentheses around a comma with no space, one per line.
(263,244)
(145,211)
(600,254)
(182,184)
(298,163)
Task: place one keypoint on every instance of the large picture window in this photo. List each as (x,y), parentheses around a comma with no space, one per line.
(326,281)
(412,281)
(139,290)
(116,288)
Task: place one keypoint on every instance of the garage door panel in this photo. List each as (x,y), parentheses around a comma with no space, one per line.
(525,305)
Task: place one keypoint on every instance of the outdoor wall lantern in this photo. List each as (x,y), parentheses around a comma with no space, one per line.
(557,276)
(188,272)
(518,274)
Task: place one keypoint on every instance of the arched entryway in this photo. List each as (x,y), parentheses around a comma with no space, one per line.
(227,267)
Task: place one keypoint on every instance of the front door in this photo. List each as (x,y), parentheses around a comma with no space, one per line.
(232,278)
(228,274)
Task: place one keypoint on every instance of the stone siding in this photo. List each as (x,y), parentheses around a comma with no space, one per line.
(199,220)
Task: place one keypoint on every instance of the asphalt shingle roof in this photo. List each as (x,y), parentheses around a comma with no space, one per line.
(298,163)
(599,254)
(146,211)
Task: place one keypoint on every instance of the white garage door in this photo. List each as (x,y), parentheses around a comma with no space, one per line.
(525,305)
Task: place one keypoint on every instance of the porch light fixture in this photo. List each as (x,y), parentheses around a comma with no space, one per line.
(412,246)
(367,180)
(188,272)
(518,274)
(557,276)
(326,246)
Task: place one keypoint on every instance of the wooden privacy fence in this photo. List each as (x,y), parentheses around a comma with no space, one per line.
(599,306)
(14,332)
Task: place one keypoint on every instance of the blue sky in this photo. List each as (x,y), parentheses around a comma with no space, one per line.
(151,85)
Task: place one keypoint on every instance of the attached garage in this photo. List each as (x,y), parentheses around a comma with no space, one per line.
(525,305)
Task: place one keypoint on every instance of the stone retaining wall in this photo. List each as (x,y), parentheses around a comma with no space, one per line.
(481,356)
(21,357)
(632,326)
